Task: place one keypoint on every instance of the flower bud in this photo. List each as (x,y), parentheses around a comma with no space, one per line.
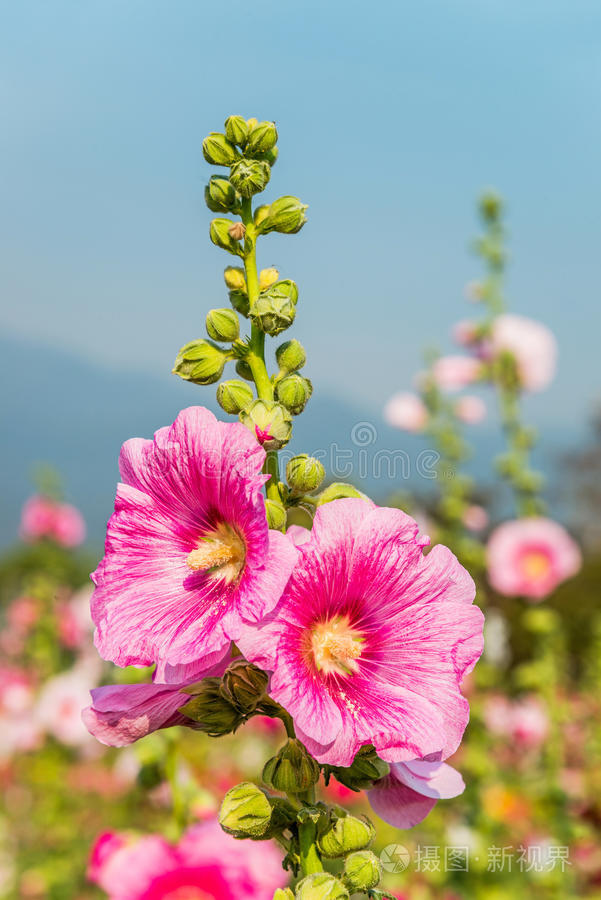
(237,230)
(223,325)
(233,396)
(291,356)
(346,835)
(201,362)
(321,886)
(272,314)
(338,491)
(267,277)
(245,811)
(362,870)
(243,685)
(260,214)
(367,768)
(269,422)
(219,232)
(236,130)
(220,194)
(283,894)
(292,770)
(490,206)
(304,474)
(210,710)
(218,151)
(240,302)
(250,176)
(261,138)
(244,370)
(251,123)
(276,515)
(270,156)
(235,278)
(286,215)
(294,391)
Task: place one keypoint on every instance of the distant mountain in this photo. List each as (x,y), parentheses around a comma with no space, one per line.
(74,414)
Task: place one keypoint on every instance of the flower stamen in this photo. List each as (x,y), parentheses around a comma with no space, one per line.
(221,553)
(335,647)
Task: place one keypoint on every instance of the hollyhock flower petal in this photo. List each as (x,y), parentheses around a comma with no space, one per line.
(410,791)
(530,557)
(189,556)
(69,527)
(371,638)
(123,713)
(470,410)
(406,411)
(452,373)
(532,344)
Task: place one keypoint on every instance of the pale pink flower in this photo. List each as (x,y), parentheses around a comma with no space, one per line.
(452,373)
(530,557)
(524,721)
(532,344)
(206,864)
(189,556)
(470,409)
(465,332)
(475,518)
(407,411)
(410,791)
(19,731)
(59,705)
(371,638)
(42,517)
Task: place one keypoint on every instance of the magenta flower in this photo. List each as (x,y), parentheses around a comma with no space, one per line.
(43,517)
(206,864)
(371,638)
(410,791)
(123,713)
(189,556)
(530,557)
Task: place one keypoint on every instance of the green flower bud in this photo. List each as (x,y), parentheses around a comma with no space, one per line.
(245,811)
(240,302)
(338,491)
(261,138)
(276,515)
(269,422)
(286,215)
(321,886)
(219,232)
(243,685)
(490,206)
(261,213)
(283,894)
(270,156)
(286,289)
(294,391)
(233,396)
(201,362)
(362,870)
(291,356)
(366,769)
(304,474)
(236,130)
(223,325)
(250,176)
(210,710)
(244,370)
(346,835)
(235,278)
(272,314)
(220,194)
(292,770)
(218,151)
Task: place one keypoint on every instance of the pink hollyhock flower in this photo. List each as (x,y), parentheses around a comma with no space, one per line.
(18,730)
(465,332)
(123,713)
(475,518)
(470,410)
(532,344)
(407,411)
(60,702)
(410,791)
(42,517)
(530,557)
(452,373)
(371,638)
(523,721)
(206,864)
(189,556)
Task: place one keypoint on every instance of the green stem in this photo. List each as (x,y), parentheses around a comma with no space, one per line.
(177,800)
(309,856)
(256,357)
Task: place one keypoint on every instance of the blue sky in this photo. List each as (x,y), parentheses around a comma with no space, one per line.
(392,117)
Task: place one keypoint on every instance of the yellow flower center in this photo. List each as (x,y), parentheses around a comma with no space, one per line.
(535,564)
(335,647)
(221,553)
